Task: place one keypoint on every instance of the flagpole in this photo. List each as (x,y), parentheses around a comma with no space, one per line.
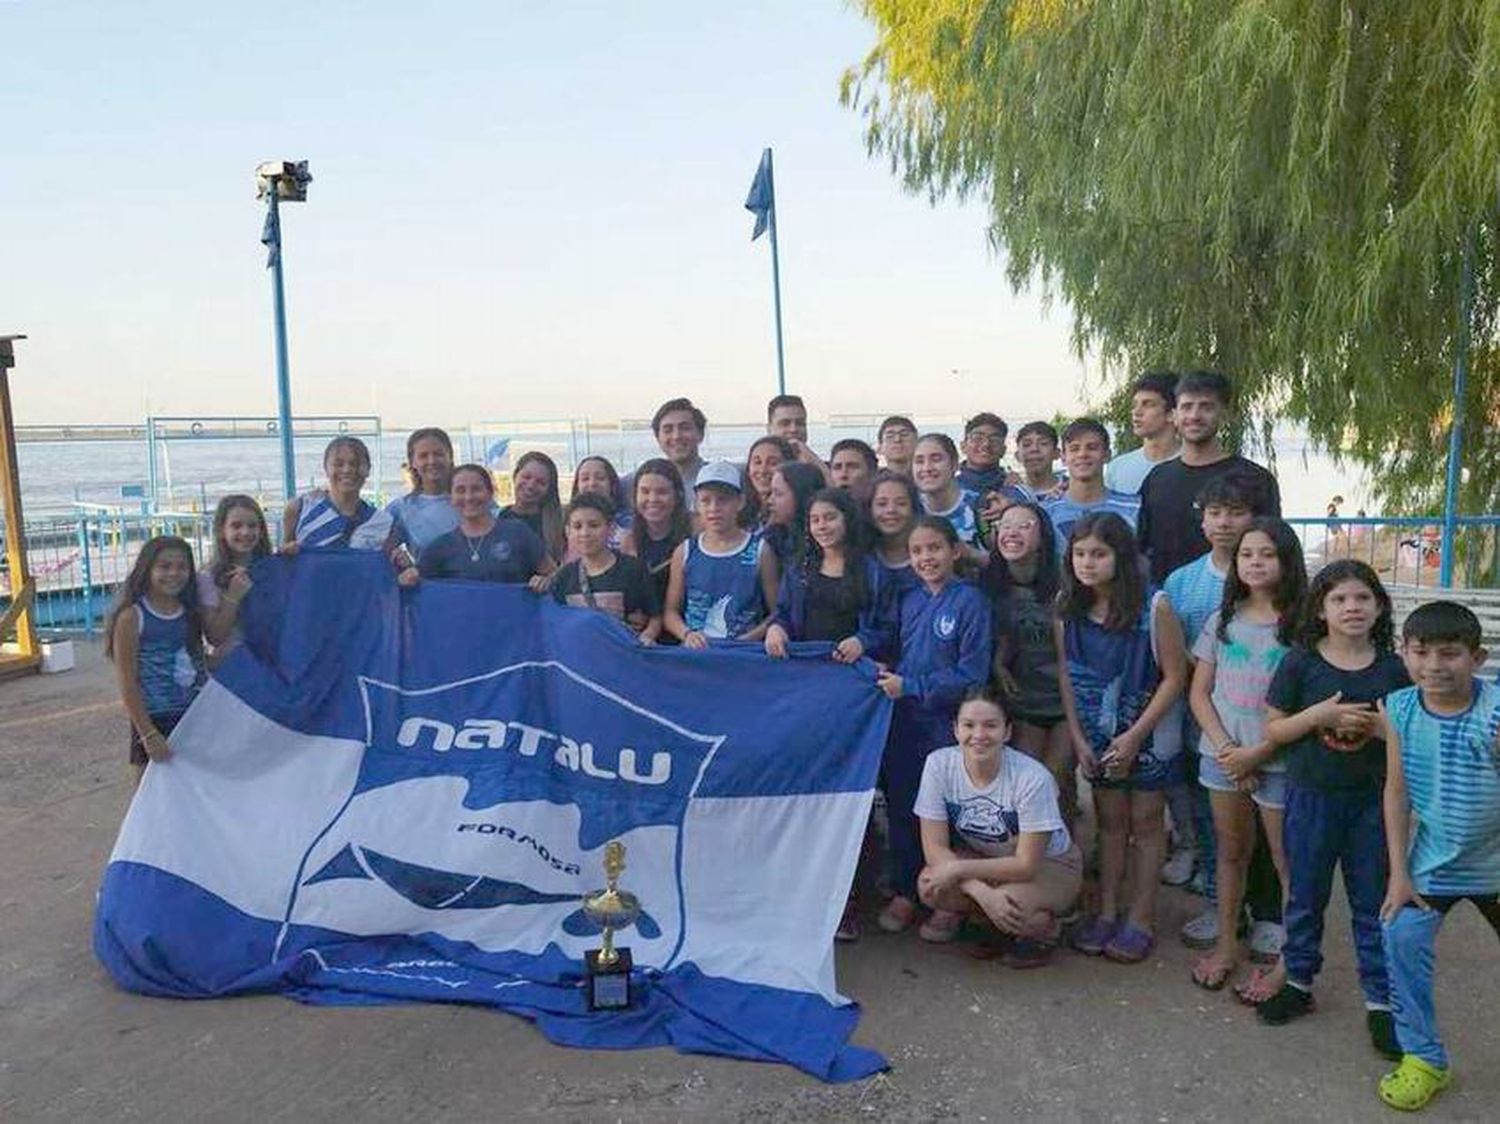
(283,367)
(776,278)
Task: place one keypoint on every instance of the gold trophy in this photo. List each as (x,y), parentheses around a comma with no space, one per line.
(610,908)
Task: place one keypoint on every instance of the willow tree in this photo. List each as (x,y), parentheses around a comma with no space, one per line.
(1284,189)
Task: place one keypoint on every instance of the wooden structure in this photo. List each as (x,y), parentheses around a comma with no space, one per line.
(17,624)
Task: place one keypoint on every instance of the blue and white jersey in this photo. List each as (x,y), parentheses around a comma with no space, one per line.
(1195,592)
(1065,512)
(168,673)
(1452,767)
(964,515)
(419,519)
(721,593)
(321,523)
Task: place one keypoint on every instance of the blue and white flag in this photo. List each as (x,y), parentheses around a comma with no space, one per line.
(389,795)
(762,197)
(270,237)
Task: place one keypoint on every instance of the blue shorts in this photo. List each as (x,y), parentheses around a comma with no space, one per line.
(1149,773)
(1269,793)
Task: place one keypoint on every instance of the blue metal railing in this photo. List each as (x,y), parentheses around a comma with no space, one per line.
(79,559)
(1407,550)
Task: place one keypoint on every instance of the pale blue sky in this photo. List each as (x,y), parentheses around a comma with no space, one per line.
(518,211)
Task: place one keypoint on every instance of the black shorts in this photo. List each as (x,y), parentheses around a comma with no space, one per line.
(166,723)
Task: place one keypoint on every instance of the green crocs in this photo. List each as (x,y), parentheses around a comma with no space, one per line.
(1413,1083)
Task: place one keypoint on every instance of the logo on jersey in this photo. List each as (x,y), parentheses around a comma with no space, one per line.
(945,626)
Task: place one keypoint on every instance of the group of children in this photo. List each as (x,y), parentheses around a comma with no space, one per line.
(1028,634)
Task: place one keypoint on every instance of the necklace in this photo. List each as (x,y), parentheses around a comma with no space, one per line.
(475,544)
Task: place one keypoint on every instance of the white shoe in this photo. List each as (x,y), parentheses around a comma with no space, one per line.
(1202,932)
(1178,870)
(1266,939)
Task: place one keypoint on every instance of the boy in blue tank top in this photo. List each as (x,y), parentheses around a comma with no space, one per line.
(1443,771)
(723,578)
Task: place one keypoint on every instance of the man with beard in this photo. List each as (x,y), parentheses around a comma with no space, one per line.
(1170,527)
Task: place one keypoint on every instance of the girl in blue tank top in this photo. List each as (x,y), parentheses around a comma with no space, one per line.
(154,636)
(892,512)
(330,516)
(1122,667)
(722,580)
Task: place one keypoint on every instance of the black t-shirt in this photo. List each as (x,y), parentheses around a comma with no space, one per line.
(832,607)
(507,552)
(1320,760)
(1170,526)
(533,520)
(656,556)
(623,589)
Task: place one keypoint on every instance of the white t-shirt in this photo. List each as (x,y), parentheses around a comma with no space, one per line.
(1126,472)
(1022,798)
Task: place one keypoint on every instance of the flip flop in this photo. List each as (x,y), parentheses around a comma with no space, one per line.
(1255,988)
(1413,1083)
(1211,980)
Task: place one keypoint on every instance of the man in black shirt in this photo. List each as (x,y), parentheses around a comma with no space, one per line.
(1170,527)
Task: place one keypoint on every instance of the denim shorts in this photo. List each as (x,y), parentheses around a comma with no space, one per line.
(1149,773)
(1270,793)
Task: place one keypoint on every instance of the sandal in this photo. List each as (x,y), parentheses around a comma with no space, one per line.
(898,915)
(1212,972)
(1093,935)
(1413,1083)
(941,927)
(1257,987)
(1129,945)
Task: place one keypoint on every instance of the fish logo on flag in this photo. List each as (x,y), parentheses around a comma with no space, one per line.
(482,808)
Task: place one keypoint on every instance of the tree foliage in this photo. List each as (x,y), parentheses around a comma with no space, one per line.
(1283,189)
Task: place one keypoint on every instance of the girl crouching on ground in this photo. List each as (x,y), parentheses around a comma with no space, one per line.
(993,836)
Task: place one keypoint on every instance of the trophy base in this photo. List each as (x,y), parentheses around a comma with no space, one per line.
(608,984)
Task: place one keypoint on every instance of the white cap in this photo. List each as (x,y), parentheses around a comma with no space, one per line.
(726,473)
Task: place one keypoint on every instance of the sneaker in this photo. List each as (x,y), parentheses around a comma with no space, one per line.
(898,915)
(1178,870)
(1202,932)
(941,927)
(1266,939)
(1093,935)
(1287,1004)
(1382,1026)
(848,929)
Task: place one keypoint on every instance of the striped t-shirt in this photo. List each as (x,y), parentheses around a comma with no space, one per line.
(1452,768)
(1065,512)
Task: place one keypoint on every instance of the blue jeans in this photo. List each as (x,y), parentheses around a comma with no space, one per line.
(1325,829)
(1410,949)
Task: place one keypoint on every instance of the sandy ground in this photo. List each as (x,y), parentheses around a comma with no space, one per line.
(1082,1040)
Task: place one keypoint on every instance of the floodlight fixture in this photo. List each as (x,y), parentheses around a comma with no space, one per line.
(289,177)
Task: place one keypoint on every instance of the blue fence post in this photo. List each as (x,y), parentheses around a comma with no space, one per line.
(88,574)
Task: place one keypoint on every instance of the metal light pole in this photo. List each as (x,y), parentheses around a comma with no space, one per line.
(1456,433)
(275,181)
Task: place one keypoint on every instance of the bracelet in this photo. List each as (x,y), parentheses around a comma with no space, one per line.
(154,734)
(1227,743)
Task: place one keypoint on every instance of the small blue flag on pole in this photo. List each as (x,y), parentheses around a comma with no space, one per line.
(270,237)
(762,198)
